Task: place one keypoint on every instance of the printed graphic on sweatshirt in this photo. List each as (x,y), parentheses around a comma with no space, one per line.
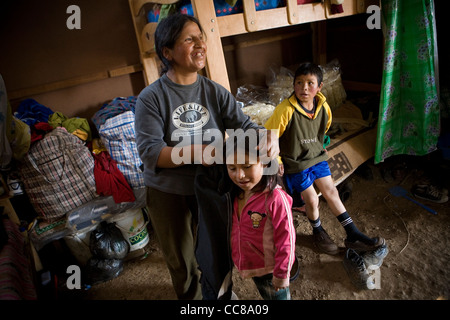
(191,117)
(256,218)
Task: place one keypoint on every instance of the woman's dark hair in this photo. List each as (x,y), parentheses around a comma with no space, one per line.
(309,68)
(167,33)
(243,143)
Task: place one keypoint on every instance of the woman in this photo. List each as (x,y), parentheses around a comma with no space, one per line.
(175,117)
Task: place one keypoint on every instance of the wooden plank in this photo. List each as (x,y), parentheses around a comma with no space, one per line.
(151,70)
(147,38)
(292,11)
(251,22)
(311,12)
(124,70)
(279,37)
(215,62)
(234,24)
(319,42)
(76,81)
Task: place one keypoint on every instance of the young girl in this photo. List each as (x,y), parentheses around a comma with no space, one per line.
(262,234)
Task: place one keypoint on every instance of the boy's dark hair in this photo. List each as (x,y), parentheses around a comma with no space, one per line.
(309,68)
(167,33)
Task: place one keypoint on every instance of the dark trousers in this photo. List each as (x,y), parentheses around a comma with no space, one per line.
(174,220)
(213,250)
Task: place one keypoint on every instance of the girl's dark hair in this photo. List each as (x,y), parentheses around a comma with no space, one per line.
(309,68)
(243,143)
(167,33)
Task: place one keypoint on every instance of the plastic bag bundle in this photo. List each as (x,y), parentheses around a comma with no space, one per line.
(101,270)
(259,112)
(333,89)
(280,83)
(108,248)
(107,242)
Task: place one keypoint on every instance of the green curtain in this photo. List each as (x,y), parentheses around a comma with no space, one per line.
(408,121)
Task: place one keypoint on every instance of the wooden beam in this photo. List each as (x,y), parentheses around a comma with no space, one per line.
(215,62)
(319,41)
(251,23)
(76,81)
(292,11)
(264,40)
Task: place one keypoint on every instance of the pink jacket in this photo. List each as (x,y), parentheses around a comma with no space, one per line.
(263,239)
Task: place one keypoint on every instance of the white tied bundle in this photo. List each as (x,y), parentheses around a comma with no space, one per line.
(281,88)
(259,112)
(333,88)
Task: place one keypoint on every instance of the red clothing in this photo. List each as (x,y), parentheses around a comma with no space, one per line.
(39,130)
(263,239)
(109,180)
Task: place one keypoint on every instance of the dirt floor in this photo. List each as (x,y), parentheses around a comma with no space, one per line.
(416,267)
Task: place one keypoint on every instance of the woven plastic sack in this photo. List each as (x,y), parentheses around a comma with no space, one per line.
(58,174)
(119,138)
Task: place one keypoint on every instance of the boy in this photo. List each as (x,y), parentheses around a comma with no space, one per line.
(302,121)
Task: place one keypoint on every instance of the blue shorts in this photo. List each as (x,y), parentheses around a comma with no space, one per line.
(303,180)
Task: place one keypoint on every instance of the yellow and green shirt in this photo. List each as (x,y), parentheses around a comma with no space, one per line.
(301,138)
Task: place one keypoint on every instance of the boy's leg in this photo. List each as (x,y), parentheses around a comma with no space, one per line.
(173,224)
(355,238)
(321,238)
(303,182)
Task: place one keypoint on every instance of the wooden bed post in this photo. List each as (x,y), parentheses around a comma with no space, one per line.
(215,63)
(319,42)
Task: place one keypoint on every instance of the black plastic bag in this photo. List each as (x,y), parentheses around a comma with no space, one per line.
(101,270)
(107,242)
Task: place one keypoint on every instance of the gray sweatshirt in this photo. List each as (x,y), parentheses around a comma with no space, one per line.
(170,114)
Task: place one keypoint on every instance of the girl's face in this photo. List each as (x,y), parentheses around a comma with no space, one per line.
(245,176)
(189,52)
(306,88)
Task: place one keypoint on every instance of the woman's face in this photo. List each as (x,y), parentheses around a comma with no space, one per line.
(189,52)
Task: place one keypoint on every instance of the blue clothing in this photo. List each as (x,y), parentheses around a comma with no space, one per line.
(304,179)
(32,112)
(113,108)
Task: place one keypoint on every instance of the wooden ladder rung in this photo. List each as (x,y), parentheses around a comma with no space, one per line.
(147,38)
(292,11)
(251,22)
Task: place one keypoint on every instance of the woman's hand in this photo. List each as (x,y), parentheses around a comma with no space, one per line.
(280,169)
(268,144)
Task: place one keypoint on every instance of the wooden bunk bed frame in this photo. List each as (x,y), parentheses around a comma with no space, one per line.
(217,27)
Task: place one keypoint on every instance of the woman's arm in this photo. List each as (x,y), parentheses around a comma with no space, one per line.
(172,157)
